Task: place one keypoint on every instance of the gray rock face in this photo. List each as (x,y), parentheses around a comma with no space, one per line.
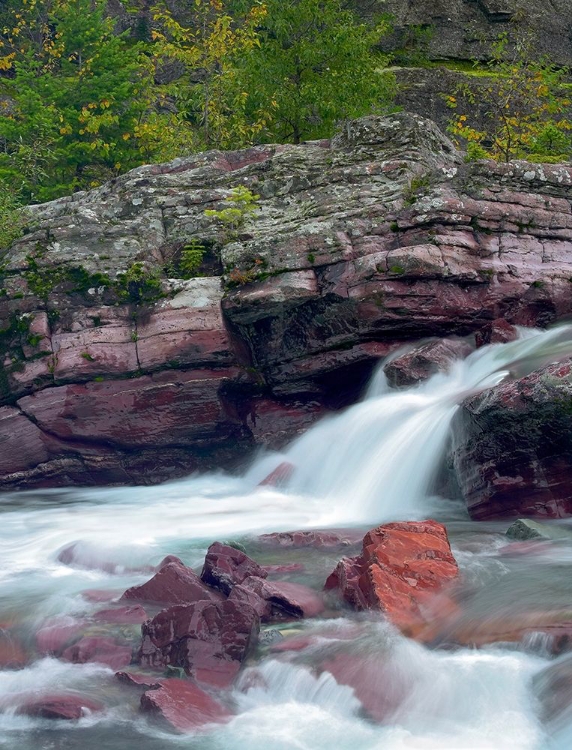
(358,245)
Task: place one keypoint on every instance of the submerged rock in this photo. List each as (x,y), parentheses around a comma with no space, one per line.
(99,649)
(183,705)
(401,568)
(512,446)
(66,706)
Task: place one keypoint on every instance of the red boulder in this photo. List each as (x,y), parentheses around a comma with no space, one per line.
(101,650)
(60,706)
(311,538)
(174,583)
(134,615)
(226,566)
(402,566)
(279,600)
(183,705)
(208,639)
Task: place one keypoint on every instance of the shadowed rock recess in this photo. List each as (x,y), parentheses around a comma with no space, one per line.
(115,372)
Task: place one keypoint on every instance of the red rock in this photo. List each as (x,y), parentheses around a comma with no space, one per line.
(424,361)
(226,566)
(57,633)
(378,690)
(99,595)
(139,679)
(278,600)
(64,706)
(134,615)
(279,476)
(183,705)
(12,653)
(498,331)
(100,650)
(512,447)
(402,566)
(172,584)
(208,639)
(313,538)
(169,559)
(285,568)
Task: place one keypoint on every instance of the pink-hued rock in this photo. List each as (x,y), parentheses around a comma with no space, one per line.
(27,447)
(12,652)
(378,691)
(101,650)
(285,568)
(172,584)
(279,476)
(65,706)
(401,568)
(512,447)
(496,332)
(100,595)
(184,705)
(166,408)
(139,679)
(57,633)
(226,566)
(169,559)
(209,640)
(313,538)
(278,600)
(425,360)
(134,615)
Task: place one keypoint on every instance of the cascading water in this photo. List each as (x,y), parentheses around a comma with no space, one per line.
(376,461)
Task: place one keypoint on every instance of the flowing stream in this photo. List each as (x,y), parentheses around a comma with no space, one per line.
(377,461)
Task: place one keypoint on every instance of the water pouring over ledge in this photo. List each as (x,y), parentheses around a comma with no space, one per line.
(374,462)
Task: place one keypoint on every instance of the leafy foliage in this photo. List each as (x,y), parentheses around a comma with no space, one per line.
(241,204)
(524,109)
(314,64)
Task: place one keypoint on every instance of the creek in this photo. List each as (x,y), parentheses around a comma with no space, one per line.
(379,460)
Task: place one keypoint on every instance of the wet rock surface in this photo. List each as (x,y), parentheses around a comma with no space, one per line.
(226,566)
(512,449)
(401,569)
(183,706)
(359,245)
(425,360)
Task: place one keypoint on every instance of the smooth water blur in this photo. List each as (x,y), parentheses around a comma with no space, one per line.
(376,461)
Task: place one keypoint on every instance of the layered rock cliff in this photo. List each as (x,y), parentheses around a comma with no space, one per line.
(114,371)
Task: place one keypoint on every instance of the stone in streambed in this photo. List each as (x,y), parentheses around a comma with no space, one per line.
(226,566)
(68,707)
(12,653)
(401,568)
(174,583)
(134,615)
(312,538)
(57,633)
(424,361)
(524,529)
(209,640)
(278,600)
(183,705)
(139,679)
(101,650)
(497,331)
(279,476)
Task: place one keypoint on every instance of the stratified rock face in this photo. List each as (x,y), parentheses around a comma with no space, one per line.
(359,245)
(512,447)
(401,568)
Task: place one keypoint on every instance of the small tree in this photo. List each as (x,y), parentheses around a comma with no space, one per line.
(315,64)
(521,106)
